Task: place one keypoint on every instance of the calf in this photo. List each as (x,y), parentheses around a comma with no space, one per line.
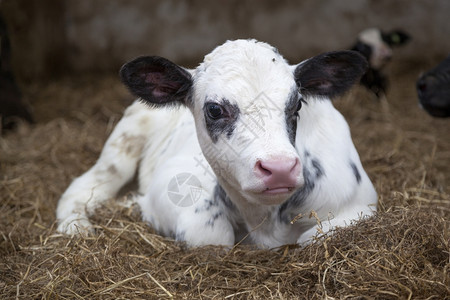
(433,89)
(376,46)
(245,145)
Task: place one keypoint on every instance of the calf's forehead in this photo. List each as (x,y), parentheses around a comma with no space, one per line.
(242,71)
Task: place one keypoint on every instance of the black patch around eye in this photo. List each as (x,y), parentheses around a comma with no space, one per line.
(220,118)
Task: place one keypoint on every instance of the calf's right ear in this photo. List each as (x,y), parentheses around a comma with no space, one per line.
(157,80)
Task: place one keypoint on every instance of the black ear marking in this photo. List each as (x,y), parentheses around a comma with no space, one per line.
(330,74)
(156,80)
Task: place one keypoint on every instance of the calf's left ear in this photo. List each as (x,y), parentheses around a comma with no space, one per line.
(157,80)
(329,74)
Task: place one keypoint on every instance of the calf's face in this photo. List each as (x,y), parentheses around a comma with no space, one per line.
(376,50)
(376,45)
(246,103)
(245,100)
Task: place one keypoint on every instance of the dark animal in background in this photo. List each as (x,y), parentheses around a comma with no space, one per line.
(433,89)
(376,46)
(11,106)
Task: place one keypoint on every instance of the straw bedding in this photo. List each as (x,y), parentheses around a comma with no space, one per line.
(401,253)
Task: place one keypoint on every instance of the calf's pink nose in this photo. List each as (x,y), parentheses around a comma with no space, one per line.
(279,172)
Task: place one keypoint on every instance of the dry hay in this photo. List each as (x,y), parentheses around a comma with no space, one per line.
(403,252)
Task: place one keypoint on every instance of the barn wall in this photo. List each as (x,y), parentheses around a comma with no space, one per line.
(51,37)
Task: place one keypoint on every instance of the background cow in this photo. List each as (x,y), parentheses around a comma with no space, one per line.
(376,46)
(12,107)
(433,89)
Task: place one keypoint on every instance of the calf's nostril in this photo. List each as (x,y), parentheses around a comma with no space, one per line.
(262,170)
(422,86)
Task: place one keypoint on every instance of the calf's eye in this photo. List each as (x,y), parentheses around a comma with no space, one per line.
(214,111)
(299,105)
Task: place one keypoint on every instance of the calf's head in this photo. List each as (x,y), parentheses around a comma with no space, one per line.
(376,45)
(245,99)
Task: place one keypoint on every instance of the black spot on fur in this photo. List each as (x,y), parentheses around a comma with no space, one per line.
(214,218)
(220,195)
(356,172)
(317,167)
(208,204)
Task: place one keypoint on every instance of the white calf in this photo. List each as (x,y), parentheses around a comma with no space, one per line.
(242,145)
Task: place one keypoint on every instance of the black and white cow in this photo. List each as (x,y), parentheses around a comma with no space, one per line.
(376,46)
(433,89)
(243,145)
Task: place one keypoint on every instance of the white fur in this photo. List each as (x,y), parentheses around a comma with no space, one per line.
(163,143)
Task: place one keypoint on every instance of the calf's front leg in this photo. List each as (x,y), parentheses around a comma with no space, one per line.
(115,167)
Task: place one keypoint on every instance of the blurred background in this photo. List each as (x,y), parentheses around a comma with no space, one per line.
(65,56)
(50,38)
